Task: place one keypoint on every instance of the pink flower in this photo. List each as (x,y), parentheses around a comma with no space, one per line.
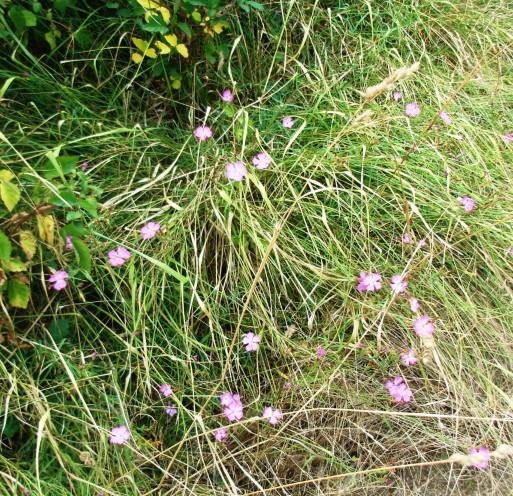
(69,243)
(59,279)
(508,138)
(119,256)
(149,230)
(274,416)
(236,171)
(203,133)
(119,435)
(408,357)
(414,305)
(423,326)
(171,410)
(396,95)
(84,165)
(221,434)
(262,160)
(288,122)
(399,391)
(468,204)
(251,341)
(445,117)
(321,352)
(227,96)
(412,110)
(480,457)
(233,406)
(511,251)
(421,243)
(369,282)
(93,355)
(287,386)
(406,239)
(165,390)
(398,284)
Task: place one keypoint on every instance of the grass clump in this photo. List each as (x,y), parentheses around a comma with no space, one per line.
(277,254)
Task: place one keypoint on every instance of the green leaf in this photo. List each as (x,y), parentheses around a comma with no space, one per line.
(255,5)
(54,168)
(18,293)
(5,247)
(22,18)
(62,5)
(84,38)
(10,194)
(156,25)
(89,205)
(112,5)
(15,265)
(51,40)
(11,427)
(64,199)
(73,229)
(83,254)
(59,329)
(36,7)
(185,28)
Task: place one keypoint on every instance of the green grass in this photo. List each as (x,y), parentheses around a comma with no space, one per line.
(277,254)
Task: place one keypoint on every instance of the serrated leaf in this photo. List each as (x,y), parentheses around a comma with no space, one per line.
(83,254)
(15,265)
(10,194)
(182,50)
(46,228)
(5,247)
(28,243)
(18,293)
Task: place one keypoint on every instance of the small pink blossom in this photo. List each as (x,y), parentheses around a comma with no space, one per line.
(468,204)
(165,390)
(480,457)
(203,133)
(406,239)
(262,160)
(423,326)
(396,95)
(421,243)
(398,284)
(227,96)
(69,243)
(412,110)
(511,251)
(369,282)
(233,409)
(445,117)
(84,165)
(119,435)
(508,138)
(59,280)
(221,434)
(93,355)
(149,230)
(414,305)
(408,357)
(287,386)
(118,256)
(251,341)
(273,415)
(236,171)
(321,353)
(288,122)
(399,391)
(171,410)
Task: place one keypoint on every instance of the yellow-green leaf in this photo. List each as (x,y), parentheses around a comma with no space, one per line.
(140,44)
(15,265)
(176,84)
(10,194)
(5,247)
(46,227)
(137,57)
(18,293)
(219,26)
(171,39)
(6,175)
(182,50)
(163,48)
(28,243)
(196,16)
